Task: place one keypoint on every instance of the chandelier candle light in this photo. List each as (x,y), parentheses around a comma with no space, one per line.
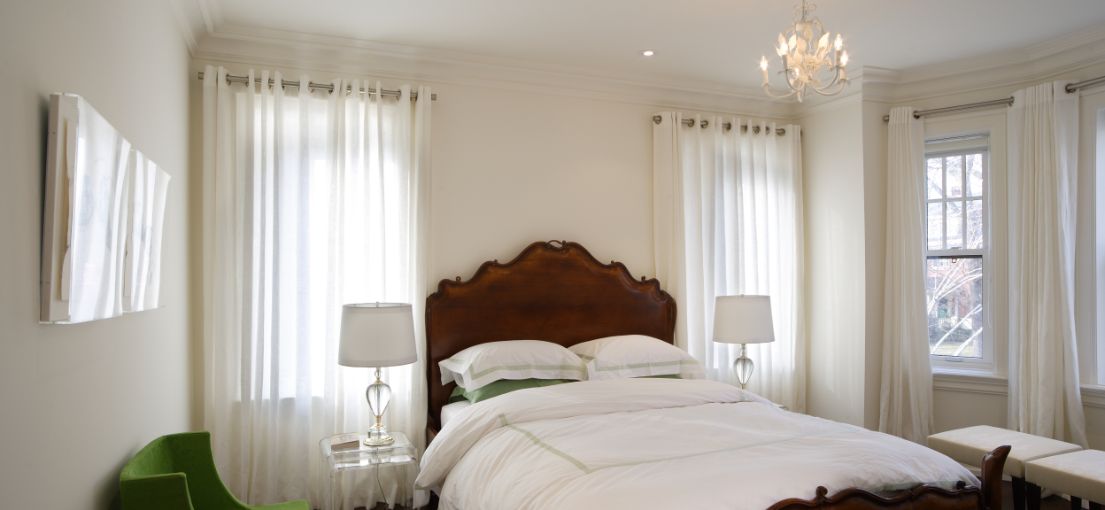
(377,335)
(808,59)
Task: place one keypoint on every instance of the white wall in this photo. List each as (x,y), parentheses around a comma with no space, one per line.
(513,166)
(76,401)
(874,211)
(832,153)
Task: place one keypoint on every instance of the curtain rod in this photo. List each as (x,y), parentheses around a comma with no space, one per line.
(1070,88)
(728,126)
(329,87)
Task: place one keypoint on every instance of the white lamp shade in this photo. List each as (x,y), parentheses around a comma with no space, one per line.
(743,320)
(377,335)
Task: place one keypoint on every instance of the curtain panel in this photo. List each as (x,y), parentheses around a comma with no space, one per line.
(1044,393)
(311,200)
(728,220)
(905,405)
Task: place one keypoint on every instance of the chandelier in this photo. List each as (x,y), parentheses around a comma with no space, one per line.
(809,62)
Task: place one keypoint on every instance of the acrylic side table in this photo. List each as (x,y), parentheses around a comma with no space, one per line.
(346,459)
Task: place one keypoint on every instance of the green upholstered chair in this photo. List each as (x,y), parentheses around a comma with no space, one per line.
(177,472)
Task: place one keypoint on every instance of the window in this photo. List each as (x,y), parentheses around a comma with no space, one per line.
(956,242)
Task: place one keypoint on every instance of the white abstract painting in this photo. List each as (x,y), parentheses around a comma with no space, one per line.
(102,219)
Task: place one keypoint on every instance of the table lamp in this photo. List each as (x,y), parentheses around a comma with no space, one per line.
(377,335)
(743,320)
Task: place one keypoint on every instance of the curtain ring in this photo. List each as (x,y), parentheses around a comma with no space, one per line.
(756,130)
(705,123)
(657,119)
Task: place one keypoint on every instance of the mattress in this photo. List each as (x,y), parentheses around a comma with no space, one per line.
(659,443)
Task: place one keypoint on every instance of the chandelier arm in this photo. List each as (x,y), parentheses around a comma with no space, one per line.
(838,86)
(777,95)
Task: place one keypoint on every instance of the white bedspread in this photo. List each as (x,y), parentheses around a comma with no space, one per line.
(659,443)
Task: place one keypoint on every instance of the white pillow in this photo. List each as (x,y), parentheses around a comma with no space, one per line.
(619,357)
(483,364)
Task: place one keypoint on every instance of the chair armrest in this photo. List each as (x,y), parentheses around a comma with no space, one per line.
(156,492)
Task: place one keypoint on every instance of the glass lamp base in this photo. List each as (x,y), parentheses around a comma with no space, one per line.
(379,396)
(378,438)
(743,367)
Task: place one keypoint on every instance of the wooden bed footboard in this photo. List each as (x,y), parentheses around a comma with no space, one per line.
(926,497)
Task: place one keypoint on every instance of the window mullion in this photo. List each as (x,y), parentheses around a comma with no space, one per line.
(944,204)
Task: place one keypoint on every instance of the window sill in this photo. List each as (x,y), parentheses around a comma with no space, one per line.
(967,381)
(1093,395)
(984,383)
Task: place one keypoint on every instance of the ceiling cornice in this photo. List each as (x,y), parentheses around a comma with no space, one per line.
(237,45)
(214,41)
(1065,55)
(196,19)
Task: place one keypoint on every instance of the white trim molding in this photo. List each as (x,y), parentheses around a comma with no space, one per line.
(1093,396)
(981,384)
(212,40)
(196,19)
(1079,52)
(238,45)
(963,382)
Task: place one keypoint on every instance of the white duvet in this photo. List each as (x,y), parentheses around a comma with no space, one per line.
(659,443)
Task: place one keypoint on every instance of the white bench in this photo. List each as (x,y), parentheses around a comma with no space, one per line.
(967,445)
(1078,474)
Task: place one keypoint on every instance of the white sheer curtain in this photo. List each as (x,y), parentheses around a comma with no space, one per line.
(905,407)
(311,200)
(1044,393)
(728,220)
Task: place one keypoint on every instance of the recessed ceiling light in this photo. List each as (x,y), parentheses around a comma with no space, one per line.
(648,53)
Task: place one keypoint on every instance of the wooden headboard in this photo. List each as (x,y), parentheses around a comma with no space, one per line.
(554,291)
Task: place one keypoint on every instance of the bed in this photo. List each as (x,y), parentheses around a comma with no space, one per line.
(644,443)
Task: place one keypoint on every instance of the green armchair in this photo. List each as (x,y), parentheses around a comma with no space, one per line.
(177,472)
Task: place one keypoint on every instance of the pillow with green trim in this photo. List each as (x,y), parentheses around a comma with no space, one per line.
(500,387)
(483,364)
(626,356)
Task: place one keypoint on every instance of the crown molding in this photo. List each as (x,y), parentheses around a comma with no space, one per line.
(1075,54)
(1008,69)
(211,12)
(195,19)
(251,46)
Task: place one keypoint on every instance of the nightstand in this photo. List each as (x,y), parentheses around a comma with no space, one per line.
(348,462)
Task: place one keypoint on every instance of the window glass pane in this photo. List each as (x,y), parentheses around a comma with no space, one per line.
(974,224)
(954,290)
(955,225)
(936,226)
(974,175)
(954,166)
(935,175)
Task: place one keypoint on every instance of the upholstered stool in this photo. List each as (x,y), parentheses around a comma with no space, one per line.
(1077,474)
(967,445)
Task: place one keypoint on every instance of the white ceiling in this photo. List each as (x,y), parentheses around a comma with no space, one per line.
(701,40)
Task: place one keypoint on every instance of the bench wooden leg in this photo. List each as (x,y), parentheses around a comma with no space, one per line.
(1075,503)
(1018,493)
(1033,496)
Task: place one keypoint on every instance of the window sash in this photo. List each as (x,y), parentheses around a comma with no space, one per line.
(986,359)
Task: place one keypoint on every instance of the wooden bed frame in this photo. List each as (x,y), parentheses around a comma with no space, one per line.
(554,291)
(558,292)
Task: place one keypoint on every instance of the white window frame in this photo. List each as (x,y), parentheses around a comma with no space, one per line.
(978,129)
